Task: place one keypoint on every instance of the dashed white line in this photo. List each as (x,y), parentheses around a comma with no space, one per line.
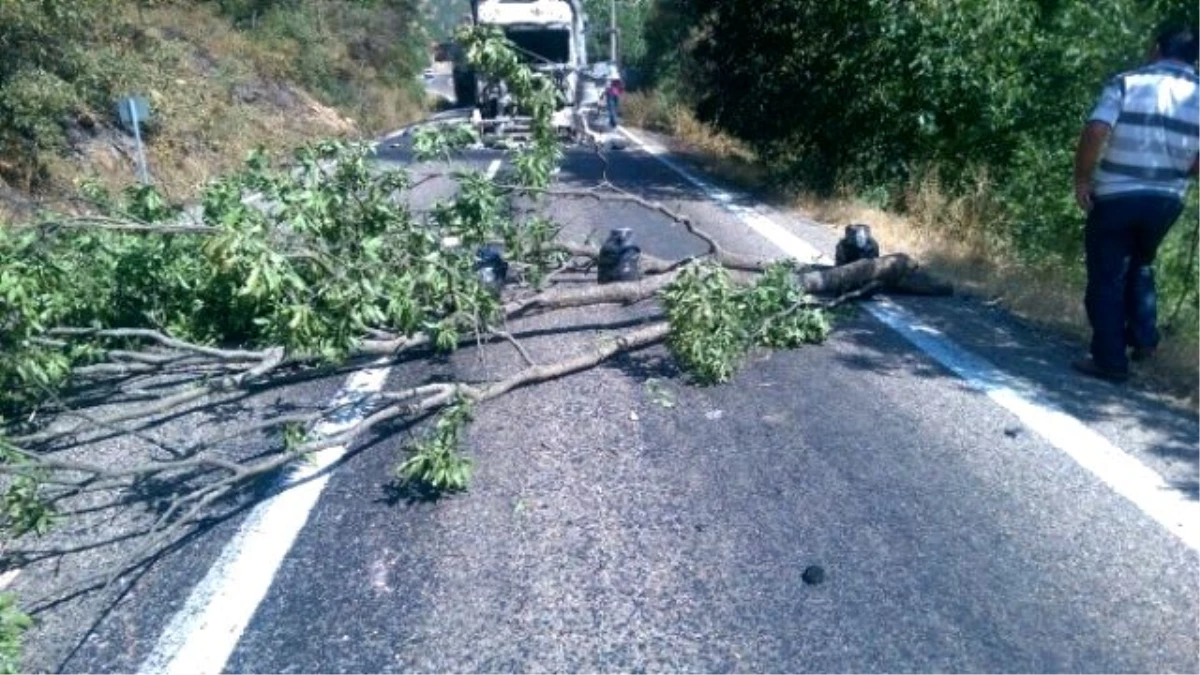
(8,577)
(1142,486)
(201,636)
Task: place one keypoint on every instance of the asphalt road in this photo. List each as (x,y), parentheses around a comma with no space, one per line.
(607,530)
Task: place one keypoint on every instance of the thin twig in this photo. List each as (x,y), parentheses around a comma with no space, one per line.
(517,345)
(272,359)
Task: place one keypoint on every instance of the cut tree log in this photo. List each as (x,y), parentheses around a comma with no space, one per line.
(896,272)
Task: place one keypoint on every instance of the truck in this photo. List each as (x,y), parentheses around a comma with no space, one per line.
(550,35)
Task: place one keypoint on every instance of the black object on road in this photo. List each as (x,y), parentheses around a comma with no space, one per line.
(619,257)
(813,575)
(491,267)
(857,244)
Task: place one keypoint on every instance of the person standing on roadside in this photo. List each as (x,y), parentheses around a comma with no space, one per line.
(612,96)
(1133,168)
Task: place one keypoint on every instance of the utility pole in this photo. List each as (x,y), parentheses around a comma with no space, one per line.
(612,30)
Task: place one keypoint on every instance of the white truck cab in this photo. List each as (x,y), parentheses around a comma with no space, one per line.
(549,34)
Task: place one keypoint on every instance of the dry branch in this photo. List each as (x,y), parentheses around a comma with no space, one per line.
(185,510)
(271,360)
(627,292)
(164,340)
(121,225)
(631,341)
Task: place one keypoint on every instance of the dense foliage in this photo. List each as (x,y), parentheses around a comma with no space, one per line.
(55,62)
(13,624)
(444,16)
(631,18)
(879,95)
(716,322)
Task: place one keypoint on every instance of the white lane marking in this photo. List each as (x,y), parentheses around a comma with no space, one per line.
(755,217)
(1128,477)
(8,577)
(201,636)
(492,168)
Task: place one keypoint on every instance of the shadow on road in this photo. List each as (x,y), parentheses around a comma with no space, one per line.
(1040,363)
(1036,357)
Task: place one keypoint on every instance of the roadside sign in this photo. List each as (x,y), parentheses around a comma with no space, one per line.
(133,111)
(131,108)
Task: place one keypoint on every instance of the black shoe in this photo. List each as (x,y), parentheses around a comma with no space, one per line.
(1089,367)
(1142,353)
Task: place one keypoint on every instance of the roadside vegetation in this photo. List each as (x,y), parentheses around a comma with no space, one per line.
(221,76)
(948,126)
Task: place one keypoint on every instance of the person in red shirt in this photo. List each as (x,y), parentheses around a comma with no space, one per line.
(612,96)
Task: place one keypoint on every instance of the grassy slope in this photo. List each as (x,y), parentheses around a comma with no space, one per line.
(217,92)
(943,233)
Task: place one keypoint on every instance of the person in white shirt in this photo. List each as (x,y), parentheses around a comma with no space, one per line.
(1134,165)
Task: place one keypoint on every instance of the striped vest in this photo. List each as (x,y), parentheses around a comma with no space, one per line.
(1155,116)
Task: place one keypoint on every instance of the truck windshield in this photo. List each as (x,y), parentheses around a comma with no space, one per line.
(546,44)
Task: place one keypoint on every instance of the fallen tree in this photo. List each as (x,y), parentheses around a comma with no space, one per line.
(111,322)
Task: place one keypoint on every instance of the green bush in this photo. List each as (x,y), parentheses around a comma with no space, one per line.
(13,624)
(867,94)
(46,74)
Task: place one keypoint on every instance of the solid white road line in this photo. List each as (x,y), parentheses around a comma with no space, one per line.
(1128,477)
(493,167)
(200,637)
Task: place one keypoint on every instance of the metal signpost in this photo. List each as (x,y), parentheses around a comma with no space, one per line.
(612,30)
(132,111)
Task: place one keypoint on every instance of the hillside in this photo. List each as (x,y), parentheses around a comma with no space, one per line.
(222,77)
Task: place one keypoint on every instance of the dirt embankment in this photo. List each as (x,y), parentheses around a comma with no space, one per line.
(216,91)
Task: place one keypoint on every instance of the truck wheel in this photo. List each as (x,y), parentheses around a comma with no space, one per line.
(464,88)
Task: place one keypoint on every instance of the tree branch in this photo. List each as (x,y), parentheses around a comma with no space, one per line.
(121,225)
(161,338)
(516,345)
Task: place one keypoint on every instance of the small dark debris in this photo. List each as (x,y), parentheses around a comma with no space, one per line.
(699,527)
(813,575)
(1012,432)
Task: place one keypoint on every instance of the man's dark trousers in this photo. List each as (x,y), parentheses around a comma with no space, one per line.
(1121,238)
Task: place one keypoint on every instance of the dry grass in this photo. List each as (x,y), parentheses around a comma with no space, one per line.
(950,237)
(957,238)
(716,153)
(218,94)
